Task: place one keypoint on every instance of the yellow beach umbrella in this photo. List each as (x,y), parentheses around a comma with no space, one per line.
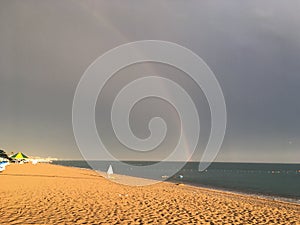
(19,155)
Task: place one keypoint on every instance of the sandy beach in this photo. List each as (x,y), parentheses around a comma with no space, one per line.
(50,194)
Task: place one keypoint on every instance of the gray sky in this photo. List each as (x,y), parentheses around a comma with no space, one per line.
(253,48)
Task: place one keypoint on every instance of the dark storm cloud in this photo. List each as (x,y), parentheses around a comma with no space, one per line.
(253,48)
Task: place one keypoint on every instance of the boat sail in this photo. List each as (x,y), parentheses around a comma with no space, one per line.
(110,171)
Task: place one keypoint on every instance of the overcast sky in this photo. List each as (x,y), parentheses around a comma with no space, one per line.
(252,47)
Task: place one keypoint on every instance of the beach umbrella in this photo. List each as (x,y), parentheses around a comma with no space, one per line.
(19,155)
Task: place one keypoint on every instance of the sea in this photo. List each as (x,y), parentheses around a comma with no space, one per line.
(270,180)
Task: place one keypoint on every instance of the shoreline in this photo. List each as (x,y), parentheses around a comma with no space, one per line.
(275,198)
(259,196)
(55,194)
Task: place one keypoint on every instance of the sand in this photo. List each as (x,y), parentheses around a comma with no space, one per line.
(50,194)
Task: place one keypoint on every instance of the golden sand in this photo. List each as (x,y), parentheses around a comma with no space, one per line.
(50,194)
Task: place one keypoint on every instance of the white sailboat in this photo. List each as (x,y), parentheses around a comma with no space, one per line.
(110,171)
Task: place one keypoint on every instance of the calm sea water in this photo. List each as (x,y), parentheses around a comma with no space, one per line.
(277,180)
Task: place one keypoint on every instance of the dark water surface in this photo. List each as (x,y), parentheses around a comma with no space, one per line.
(277,180)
